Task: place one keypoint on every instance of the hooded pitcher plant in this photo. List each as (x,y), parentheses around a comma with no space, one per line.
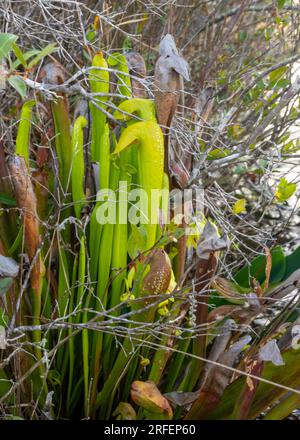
(100,144)
(150,141)
(104,249)
(143,109)
(136,107)
(77,175)
(99,84)
(22,141)
(131,111)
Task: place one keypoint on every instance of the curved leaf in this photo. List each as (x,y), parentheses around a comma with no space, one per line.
(22,141)
(78,165)
(6,43)
(142,108)
(151,162)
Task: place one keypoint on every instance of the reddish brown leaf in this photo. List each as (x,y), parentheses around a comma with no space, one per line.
(26,201)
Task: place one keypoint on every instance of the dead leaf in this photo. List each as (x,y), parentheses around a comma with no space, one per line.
(2,338)
(8,267)
(250,384)
(168,50)
(180,398)
(170,69)
(210,241)
(271,352)
(295,336)
(219,346)
(147,395)
(217,381)
(26,201)
(137,68)
(229,290)
(285,287)
(268,267)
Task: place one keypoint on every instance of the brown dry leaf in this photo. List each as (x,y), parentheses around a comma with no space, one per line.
(249,382)
(147,395)
(170,69)
(210,241)
(229,290)
(137,68)
(257,288)
(26,201)
(180,398)
(268,268)
(219,313)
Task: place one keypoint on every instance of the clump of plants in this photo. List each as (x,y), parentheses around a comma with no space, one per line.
(98,317)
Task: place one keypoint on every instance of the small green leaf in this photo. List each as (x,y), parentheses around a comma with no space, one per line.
(7,200)
(124,411)
(218,153)
(239,207)
(130,277)
(268,34)
(91,35)
(285,190)
(42,54)
(277,75)
(240,169)
(5,284)
(280,4)
(6,43)
(127,44)
(243,36)
(294,113)
(290,147)
(18,84)
(19,54)
(233,131)
(137,240)
(26,55)
(3,322)
(118,61)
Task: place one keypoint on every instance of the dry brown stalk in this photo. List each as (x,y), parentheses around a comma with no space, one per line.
(26,202)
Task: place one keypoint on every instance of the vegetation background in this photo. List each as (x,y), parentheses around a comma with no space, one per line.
(235,134)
